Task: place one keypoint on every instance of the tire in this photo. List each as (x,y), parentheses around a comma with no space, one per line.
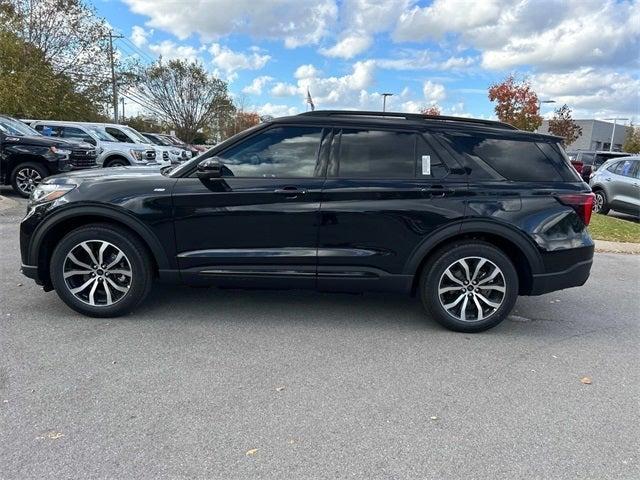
(600,203)
(26,177)
(116,162)
(119,287)
(438,289)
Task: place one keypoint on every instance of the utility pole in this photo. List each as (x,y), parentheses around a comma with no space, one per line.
(615,119)
(384,100)
(114,86)
(122,114)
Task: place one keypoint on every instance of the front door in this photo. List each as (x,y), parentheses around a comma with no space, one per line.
(386,192)
(257,225)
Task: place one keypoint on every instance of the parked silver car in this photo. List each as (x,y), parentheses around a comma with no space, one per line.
(617,186)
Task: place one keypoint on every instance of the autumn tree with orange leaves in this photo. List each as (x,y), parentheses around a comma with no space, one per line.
(433,110)
(516,103)
(562,125)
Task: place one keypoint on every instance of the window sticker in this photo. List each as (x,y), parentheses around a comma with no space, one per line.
(426,164)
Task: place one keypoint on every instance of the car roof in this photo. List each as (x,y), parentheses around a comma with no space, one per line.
(407,120)
(622,154)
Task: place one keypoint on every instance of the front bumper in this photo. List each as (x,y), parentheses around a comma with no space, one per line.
(565,269)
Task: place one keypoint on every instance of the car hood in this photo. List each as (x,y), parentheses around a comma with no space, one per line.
(44,141)
(105,174)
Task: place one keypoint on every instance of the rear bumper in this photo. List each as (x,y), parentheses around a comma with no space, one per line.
(574,275)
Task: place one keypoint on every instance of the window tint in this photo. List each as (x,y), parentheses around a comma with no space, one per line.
(73,132)
(636,174)
(49,131)
(612,167)
(377,154)
(117,134)
(277,152)
(438,168)
(625,168)
(515,160)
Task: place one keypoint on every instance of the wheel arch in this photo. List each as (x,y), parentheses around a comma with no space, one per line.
(520,250)
(115,155)
(53,230)
(18,159)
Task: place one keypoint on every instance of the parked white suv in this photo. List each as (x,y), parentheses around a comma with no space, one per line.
(111,152)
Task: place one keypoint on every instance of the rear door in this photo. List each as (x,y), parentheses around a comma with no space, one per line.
(258,224)
(386,191)
(624,188)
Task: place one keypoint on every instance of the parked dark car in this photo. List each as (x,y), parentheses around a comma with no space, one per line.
(26,156)
(466,214)
(587,162)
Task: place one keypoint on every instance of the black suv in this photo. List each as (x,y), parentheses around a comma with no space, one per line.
(467,214)
(26,156)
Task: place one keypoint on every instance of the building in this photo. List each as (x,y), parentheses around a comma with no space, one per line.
(596,135)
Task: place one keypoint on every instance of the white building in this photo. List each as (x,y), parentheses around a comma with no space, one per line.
(596,135)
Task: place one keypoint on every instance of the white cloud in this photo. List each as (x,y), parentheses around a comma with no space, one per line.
(350,46)
(256,86)
(140,36)
(282,89)
(275,110)
(229,62)
(592,92)
(409,59)
(293,21)
(433,92)
(306,71)
(546,34)
(169,50)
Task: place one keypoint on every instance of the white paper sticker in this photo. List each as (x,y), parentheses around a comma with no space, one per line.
(426,164)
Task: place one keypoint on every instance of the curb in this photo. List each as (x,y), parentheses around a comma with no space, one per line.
(603,246)
(6,203)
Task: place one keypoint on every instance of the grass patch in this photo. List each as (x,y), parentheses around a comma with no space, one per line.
(613,229)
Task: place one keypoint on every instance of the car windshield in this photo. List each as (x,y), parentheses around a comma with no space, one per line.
(159,140)
(9,126)
(174,140)
(136,136)
(104,136)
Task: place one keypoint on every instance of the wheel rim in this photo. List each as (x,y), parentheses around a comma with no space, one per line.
(97,273)
(27,179)
(472,289)
(599,203)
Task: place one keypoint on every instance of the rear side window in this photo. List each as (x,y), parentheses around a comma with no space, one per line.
(517,160)
(625,168)
(366,153)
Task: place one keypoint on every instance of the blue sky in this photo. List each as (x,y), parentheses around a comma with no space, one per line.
(436,52)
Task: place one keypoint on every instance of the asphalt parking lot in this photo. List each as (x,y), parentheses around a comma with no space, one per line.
(205,383)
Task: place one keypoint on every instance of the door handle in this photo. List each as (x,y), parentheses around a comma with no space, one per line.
(290,192)
(436,191)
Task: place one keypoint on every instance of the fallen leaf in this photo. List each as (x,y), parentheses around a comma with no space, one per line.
(51,435)
(585,380)
(19,284)
(251,452)
(279,389)
(434,418)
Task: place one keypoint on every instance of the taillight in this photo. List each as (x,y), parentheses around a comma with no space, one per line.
(582,203)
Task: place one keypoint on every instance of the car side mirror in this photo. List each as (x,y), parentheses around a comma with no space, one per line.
(209,168)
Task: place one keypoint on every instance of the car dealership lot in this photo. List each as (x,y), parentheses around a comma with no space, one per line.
(205,383)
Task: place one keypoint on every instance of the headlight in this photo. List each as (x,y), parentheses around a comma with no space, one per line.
(48,192)
(60,151)
(138,154)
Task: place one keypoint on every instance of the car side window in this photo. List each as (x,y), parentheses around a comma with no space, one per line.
(612,168)
(636,173)
(49,131)
(366,153)
(73,132)
(118,134)
(626,168)
(278,152)
(426,155)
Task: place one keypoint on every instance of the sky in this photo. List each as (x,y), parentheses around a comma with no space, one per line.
(584,53)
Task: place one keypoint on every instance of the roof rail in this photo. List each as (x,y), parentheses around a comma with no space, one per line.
(407,116)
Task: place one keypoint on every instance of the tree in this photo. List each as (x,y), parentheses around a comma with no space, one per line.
(185,95)
(30,88)
(632,140)
(563,126)
(239,122)
(144,123)
(71,38)
(433,110)
(516,103)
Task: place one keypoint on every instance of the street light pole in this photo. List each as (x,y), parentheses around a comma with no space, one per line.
(613,132)
(384,100)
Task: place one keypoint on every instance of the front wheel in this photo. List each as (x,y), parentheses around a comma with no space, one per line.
(116,162)
(101,270)
(26,177)
(469,287)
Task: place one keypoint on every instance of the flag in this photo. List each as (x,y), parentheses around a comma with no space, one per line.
(310,100)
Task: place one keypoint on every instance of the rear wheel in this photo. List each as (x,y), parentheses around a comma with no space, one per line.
(26,177)
(469,287)
(101,271)
(600,204)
